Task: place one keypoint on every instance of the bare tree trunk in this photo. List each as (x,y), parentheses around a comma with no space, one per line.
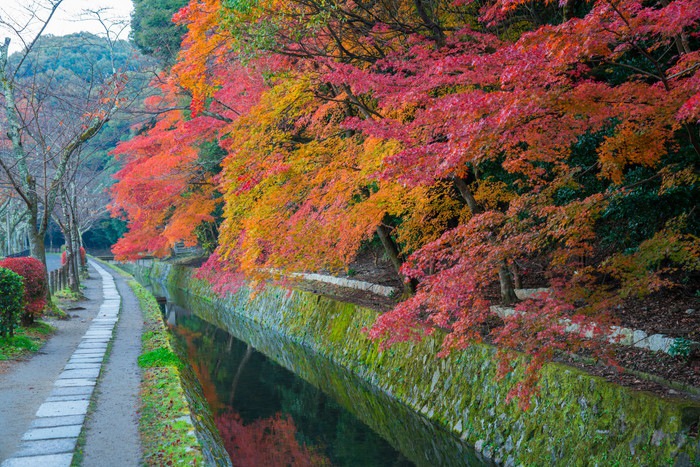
(508,296)
(67,229)
(505,278)
(394,256)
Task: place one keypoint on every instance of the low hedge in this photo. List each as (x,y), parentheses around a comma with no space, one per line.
(11,301)
(35,285)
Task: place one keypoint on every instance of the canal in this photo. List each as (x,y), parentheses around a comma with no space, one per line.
(276,403)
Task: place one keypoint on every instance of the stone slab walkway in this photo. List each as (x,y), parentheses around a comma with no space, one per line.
(26,384)
(111,429)
(53,435)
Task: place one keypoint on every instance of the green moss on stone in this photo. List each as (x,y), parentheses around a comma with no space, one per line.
(577,419)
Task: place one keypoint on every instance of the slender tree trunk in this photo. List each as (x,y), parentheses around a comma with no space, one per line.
(8,236)
(77,260)
(505,278)
(73,275)
(508,296)
(67,229)
(394,256)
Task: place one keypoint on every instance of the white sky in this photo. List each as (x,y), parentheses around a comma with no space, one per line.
(69,18)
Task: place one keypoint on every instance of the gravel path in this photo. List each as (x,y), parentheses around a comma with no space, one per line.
(25,386)
(112,437)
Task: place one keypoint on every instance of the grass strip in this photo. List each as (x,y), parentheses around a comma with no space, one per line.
(27,340)
(166,429)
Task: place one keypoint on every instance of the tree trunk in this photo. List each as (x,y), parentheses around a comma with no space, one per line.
(508,296)
(38,251)
(394,256)
(67,228)
(517,278)
(466,194)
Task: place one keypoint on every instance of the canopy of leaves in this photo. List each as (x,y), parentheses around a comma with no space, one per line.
(152,30)
(552,141)
(82,54)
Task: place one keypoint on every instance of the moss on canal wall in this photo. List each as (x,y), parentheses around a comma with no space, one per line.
(578,419)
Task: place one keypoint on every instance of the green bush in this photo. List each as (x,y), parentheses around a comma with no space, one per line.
(11,301)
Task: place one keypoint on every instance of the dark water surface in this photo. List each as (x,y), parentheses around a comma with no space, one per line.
(277,403)
(265,413)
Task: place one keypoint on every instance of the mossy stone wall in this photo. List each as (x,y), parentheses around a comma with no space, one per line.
(578,419)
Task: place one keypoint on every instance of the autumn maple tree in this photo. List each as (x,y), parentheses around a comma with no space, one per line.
(484,146)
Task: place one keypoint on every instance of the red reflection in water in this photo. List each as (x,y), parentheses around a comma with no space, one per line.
(265,442)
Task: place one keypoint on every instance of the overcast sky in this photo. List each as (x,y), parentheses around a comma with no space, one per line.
(68,19)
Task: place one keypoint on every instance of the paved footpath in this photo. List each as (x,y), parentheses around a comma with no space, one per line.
(52,437)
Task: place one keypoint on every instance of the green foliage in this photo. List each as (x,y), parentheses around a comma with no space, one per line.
(681,347)
(152,30)
(104,234)
(159,358)
(647,268)
(66,294)
(21,342)
(210,156)
(636,215)
(11,301)
(81,55)
(27,340)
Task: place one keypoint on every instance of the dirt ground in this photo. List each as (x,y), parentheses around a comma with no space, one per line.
(675,313)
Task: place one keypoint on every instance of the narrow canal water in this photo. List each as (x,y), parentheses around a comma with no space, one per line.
(269,416)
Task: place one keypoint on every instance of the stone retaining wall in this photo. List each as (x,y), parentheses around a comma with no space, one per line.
(578,419)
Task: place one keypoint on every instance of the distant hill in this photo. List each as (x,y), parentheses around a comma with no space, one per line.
(83,55)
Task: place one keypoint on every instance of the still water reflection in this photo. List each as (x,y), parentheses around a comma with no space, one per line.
(266,414)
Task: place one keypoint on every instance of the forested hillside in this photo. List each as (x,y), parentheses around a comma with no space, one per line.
(486,146)
(64,103)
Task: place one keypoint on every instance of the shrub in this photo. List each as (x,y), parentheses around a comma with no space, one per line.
(83,257)
(11,300)
(64,258)
(35,286)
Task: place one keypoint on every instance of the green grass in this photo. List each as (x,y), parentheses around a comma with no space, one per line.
(26,341)
(67,294)
(166,437)
(159,358)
